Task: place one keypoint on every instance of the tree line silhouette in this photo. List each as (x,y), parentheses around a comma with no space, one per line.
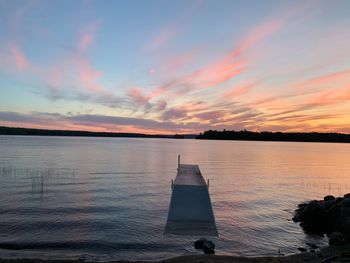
(43,132)
(274,136)
(208,135)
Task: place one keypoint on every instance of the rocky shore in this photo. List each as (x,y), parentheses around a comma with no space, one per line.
(330,216)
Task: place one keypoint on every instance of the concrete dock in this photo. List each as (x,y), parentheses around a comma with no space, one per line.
(190,210)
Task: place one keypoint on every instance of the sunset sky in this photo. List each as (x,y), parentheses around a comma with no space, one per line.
(175,66)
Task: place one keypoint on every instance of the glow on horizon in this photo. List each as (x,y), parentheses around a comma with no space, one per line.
(175,67)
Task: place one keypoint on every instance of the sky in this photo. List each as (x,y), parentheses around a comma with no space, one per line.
(179,66)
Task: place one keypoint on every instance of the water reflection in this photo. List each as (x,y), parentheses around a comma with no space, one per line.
(112,197)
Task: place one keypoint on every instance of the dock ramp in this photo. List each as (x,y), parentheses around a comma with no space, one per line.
(190,210)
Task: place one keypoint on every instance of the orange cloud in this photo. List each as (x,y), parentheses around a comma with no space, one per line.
(337,95)
(331,79)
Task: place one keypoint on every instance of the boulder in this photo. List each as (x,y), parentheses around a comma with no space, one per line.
(313,217)
(336,239)
(208,247)
(339,199)
(329,198)
(298,215)
(330,216)
(343,226)
(345,208)
(328,204)
(302,205)
(198,244)
(347,195)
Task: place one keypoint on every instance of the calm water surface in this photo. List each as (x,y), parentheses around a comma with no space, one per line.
(107,198)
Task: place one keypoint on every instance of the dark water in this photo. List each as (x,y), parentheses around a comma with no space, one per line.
(107,198)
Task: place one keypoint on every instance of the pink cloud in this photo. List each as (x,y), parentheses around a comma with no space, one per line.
(333,96)
(88,75)
(222,70)
(87,37)
(257,34)
(173,28)
(238,91)
(20,59)
(164,35)
(216,73)
(137,97)
(178,61)
(316,83)
(206,77)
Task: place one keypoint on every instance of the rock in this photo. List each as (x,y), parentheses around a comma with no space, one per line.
(313,246)
(345,203)
(329,198)
(336,239)
(343,226)
(208,247)
(298,215)
(325,217)
(313,217)
(345,208)
(302,205)
(339,199)
(301,249)
(329,259)
(198,244)
(347,195)
(328,204)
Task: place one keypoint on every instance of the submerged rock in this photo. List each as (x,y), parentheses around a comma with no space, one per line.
(198,244)
(208,247)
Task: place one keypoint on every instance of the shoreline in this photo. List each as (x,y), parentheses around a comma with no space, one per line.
(243,135)
(324,255)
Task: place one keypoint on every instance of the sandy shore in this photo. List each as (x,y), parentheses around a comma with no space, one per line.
(325,255)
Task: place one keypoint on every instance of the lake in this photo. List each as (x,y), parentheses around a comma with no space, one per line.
(108,198)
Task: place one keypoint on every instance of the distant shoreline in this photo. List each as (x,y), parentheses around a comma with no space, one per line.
(207,135)
(43,132)
(275,136)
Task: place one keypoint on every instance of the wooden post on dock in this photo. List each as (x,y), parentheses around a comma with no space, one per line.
(178,161)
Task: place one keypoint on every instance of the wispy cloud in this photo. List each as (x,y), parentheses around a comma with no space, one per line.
(239,91)
(20,59)
(172,29)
